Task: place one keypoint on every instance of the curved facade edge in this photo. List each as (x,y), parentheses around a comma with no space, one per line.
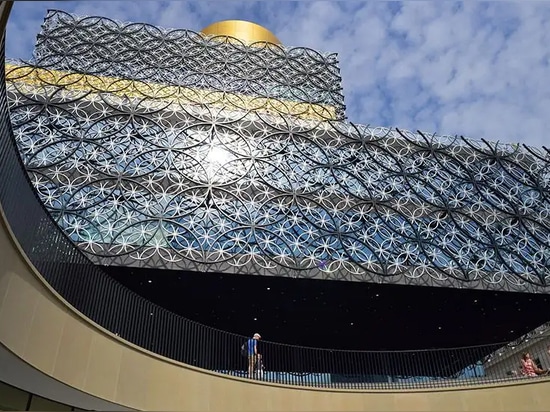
(38,326)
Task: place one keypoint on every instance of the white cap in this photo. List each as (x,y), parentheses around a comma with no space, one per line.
(257,335)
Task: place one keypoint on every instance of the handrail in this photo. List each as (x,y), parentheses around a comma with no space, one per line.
(99,297)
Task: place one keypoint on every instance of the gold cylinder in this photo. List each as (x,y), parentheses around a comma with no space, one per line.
(245,31)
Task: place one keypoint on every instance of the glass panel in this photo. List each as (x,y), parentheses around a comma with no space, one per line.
(41,404)
(12,399)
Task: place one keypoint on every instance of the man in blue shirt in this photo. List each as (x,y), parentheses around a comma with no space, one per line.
(253,355)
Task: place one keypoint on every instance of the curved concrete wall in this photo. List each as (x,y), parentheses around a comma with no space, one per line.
(39,327)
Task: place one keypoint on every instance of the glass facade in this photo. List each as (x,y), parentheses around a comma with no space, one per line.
(185,58)
(138,175)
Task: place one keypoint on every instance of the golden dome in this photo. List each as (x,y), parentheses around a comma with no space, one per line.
(245,31)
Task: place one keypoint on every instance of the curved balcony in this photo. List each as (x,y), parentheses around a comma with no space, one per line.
(63,315)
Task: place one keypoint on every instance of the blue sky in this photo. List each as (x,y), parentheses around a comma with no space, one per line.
(480,69)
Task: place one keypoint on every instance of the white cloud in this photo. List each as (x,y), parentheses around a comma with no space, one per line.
(477,69)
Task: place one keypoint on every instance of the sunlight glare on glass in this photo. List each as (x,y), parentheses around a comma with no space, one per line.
(217,156)
(216,159)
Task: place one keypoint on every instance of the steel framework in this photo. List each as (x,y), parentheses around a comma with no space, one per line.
(165,148)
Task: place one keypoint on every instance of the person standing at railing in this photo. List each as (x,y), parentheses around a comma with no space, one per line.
(529,367)
(253,354)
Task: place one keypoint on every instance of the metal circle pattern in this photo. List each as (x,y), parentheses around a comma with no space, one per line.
(138,175)
(101,46)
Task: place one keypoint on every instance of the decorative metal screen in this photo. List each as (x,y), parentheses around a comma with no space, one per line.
(144,171)
(294,77)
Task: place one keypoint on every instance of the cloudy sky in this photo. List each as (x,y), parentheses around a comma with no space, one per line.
(479,69)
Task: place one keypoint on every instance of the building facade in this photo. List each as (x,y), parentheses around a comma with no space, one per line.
(78,340)
(180,150)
